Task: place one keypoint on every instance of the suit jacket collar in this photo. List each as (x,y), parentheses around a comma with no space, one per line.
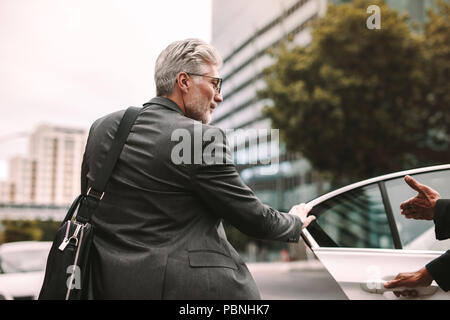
(165,102)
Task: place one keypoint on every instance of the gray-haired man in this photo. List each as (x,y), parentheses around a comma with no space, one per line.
(159,232)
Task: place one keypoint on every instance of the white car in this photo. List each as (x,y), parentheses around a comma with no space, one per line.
(22,267)
(363,240)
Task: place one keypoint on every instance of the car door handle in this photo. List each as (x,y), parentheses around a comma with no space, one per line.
(377,286)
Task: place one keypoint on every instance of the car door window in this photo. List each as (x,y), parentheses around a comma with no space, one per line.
(356,218)
(398,192)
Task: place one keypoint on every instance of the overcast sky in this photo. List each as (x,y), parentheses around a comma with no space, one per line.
(67,62)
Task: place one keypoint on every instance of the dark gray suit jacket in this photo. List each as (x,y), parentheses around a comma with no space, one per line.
(158,229)
(439,268)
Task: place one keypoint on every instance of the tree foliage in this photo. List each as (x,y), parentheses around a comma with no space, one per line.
(28,230)
(359,102)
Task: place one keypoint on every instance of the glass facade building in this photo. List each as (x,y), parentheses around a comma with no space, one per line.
(243,31)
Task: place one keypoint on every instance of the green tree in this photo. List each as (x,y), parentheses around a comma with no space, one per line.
(26,230)
(20,230)
(49,228)
(354,101)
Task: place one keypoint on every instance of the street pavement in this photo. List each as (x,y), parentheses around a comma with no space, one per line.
(299,280)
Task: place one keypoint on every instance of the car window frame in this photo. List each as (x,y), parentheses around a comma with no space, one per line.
(323,240)
(390,215)
(386,194)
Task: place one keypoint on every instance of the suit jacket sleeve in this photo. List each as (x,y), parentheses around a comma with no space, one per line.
(442,219)
(219,185)
(439,268)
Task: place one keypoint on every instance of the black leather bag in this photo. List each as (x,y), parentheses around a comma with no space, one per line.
(68,269)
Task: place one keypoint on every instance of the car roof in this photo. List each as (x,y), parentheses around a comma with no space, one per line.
(376,179)
(24,245)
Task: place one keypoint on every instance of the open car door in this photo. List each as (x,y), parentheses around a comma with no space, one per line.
(363,241)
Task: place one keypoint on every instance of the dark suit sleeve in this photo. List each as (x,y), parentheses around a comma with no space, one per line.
(442,219)
(439,268)
(219,185)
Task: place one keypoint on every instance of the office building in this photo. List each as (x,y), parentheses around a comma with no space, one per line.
(5,192)
(50,174)
(21,179)
(243,31)
(56,155)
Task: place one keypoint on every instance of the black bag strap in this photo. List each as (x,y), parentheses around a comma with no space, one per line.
(73,207)
(96,191)
(99,184)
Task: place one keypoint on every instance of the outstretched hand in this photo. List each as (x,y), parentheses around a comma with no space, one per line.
(420,207)
(301,211)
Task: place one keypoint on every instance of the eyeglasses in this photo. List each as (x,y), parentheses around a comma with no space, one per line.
(217,84)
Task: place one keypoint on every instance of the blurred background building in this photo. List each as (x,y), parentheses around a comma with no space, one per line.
(50,174)
(22,180)
(57,153)
(5,192)
(243,32)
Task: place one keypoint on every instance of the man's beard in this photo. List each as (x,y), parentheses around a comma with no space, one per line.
(195,111)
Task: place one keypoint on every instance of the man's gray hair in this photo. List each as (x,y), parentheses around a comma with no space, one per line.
(190,55)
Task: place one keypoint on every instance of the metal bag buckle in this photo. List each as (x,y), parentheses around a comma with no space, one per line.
(89,190)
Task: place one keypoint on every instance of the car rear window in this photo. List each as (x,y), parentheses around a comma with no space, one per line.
(356,218)
(399,191)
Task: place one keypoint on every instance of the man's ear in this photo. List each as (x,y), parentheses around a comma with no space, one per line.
(183,81)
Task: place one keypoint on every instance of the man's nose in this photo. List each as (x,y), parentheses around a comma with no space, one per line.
(218,97)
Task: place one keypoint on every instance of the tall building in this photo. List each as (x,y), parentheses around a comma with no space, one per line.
(242,32)
(56,156)
(5,192)
(50,174)
(21,174)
